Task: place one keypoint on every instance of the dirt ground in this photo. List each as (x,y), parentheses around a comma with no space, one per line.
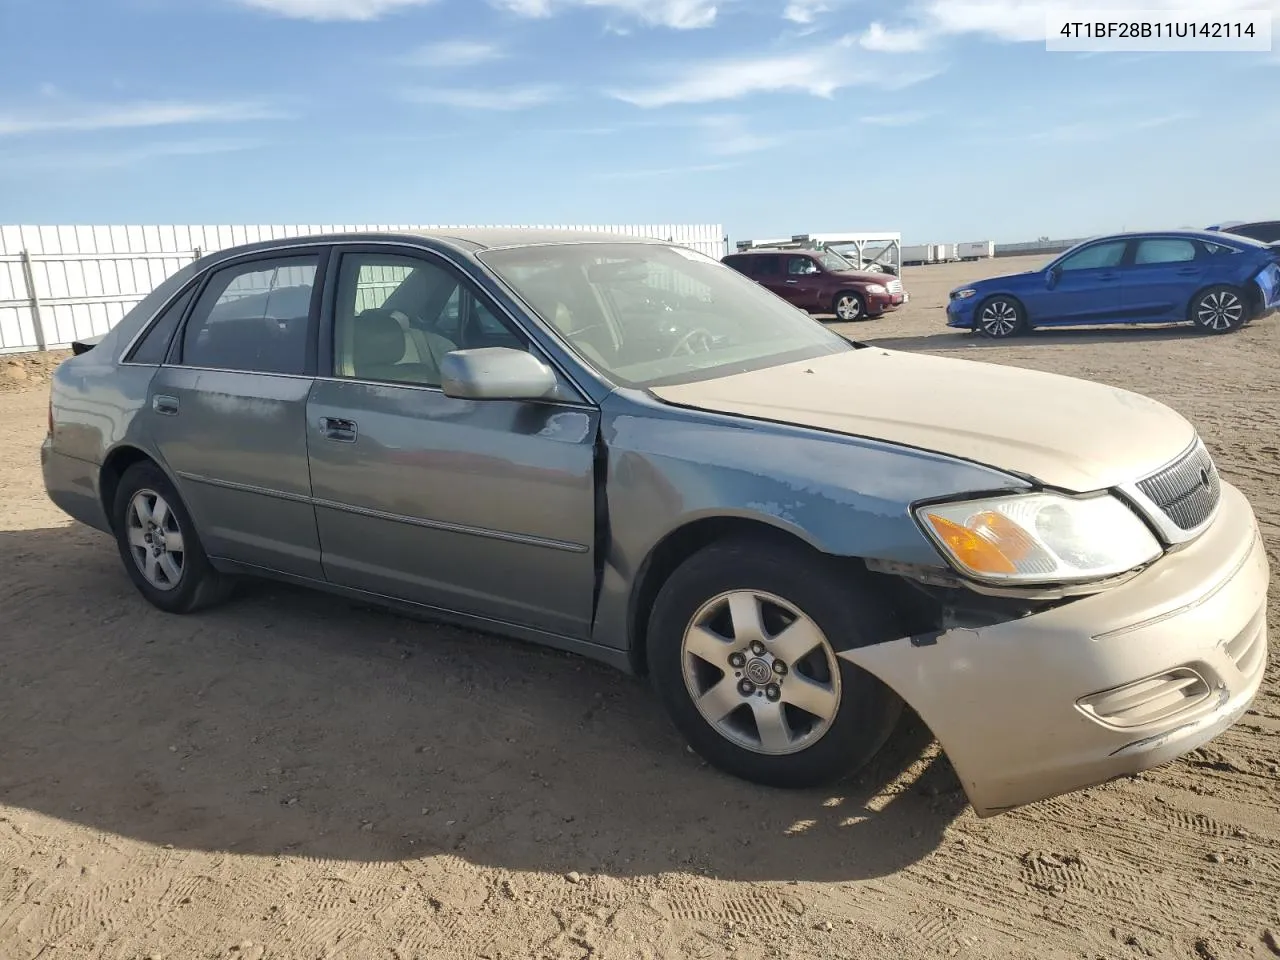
(291,776)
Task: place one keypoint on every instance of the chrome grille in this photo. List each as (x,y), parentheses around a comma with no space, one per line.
(1187,490)
(894,286)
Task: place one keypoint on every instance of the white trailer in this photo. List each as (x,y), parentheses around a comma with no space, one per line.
(978,250)
(917,254)
(946,252)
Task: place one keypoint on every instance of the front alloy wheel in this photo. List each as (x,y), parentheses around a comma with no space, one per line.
(849,307)
(743,648)
(1000,317)
(761,672)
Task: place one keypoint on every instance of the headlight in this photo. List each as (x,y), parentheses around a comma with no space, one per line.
(876,288)
(1040,538)
(964,294)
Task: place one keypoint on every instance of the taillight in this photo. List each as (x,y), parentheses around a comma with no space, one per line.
(51,415)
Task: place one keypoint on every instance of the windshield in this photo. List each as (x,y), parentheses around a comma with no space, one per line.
(833,261)
(646,314)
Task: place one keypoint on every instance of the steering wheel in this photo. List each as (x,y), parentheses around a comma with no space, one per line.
(698,335)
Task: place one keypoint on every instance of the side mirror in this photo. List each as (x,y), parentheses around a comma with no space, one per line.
(496,373)
(1052,277)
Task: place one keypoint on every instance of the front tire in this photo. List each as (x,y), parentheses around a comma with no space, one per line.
(1000,317)
(159,544)
(850,306)
(1221,309)
(742,649)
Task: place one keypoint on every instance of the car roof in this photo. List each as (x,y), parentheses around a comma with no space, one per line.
(797,251)
(1212,236)
(465,239)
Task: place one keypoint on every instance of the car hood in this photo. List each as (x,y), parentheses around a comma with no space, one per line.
(1066,433)
(1004,280)
(864,276)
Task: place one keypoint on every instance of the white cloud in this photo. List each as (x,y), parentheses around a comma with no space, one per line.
(472,98)
(333,9)
(122,116)
(677,14)
(1163,120)
(729,136)
(818,71)
(664,171)
(905,119)
(127,156)
(884,39)
(454,53)
(805,11)
(1004,19)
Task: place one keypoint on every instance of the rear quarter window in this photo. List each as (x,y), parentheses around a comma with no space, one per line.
(154,345)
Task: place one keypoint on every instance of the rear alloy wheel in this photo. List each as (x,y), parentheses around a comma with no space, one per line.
(159,544)
(743,649)
(850,306)
(1001,317)
(1220,310)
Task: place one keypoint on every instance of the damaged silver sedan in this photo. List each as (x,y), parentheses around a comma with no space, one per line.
(626,449)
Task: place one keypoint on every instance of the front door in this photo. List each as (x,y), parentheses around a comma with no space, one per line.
(481,507)
(804,284)
(227,412)
(1087,289)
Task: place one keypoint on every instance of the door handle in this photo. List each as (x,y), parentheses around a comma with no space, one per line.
(1188,272)
(1106,276)
(336,428)
(793,281)
(165,405)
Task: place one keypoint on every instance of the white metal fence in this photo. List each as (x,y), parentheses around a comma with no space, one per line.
(60,283)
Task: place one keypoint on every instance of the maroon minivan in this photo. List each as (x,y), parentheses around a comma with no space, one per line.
(820,281)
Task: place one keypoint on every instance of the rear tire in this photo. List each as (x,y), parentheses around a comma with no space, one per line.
(159,545)
(742,649)
(1000,317)
(1221,309)
(849,307)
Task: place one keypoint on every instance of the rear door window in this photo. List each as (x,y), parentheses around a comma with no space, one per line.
(254,317)
(1164,250)
(767,267)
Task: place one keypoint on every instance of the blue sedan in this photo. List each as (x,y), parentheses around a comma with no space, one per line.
(1217,281)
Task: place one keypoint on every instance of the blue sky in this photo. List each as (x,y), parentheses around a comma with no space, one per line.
(942,119)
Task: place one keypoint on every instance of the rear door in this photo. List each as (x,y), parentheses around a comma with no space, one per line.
(768,269)
(481,507)
(1165,273)
(1087,288)
(227,411)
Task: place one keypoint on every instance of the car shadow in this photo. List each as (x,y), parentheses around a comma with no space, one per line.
(288,722)
(964,340)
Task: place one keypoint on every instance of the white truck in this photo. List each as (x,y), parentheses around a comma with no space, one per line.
(978,250)
(917,254)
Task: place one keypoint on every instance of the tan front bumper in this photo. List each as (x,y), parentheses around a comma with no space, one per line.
(1101,687)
